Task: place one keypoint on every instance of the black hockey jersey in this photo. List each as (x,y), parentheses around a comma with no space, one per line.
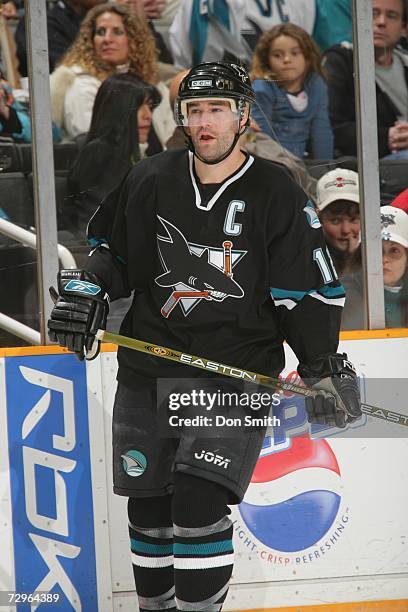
(227,276)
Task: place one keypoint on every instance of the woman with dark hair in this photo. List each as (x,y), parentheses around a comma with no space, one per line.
(121,133)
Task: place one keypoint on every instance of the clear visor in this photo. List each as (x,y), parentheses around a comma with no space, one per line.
(198,112)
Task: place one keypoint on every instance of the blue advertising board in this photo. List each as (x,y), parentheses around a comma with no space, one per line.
(50,478)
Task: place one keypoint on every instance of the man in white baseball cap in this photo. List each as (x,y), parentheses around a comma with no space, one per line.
(337,203)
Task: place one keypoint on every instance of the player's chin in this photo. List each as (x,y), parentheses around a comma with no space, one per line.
(207,153)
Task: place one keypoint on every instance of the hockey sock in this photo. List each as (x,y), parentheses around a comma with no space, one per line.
(151,543)
(203,551)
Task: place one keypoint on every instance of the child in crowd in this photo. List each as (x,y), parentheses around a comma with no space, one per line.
(291,92)
(394,234)
(337,202)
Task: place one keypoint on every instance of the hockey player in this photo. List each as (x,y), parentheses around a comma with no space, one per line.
(226,258)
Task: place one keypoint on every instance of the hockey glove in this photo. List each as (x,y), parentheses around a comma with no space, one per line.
(81,308)
(338,401)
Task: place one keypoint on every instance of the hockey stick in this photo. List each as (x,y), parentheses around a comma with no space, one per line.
(176,296)
(238,373)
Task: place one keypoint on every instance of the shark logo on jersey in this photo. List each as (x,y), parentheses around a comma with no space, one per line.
(195,272)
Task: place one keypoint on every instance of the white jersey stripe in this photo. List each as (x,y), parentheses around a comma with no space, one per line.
(290,304)
(330,301)
(223,187)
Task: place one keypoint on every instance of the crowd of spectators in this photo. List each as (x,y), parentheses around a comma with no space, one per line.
(112,39)
(114,73)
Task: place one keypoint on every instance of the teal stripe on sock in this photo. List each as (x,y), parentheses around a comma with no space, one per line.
(152,549)
(207,548)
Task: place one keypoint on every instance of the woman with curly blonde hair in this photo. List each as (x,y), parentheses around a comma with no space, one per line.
(112,39)
(291,92)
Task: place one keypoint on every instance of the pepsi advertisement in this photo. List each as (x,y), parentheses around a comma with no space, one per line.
(292,514)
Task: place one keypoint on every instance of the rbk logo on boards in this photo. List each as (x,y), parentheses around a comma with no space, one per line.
(50,473)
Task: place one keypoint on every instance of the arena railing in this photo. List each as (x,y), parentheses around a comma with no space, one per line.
(27,238)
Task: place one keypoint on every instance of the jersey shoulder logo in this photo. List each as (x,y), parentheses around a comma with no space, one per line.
(195,272)
(311,213)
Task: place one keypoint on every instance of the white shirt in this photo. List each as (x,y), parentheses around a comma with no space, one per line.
(299,12)
(80,98)
(218,39)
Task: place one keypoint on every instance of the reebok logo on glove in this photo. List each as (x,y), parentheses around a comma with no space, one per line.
(348,364)
(82,287)
(80,308)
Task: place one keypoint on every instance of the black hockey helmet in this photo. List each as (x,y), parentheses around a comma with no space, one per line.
(215,80)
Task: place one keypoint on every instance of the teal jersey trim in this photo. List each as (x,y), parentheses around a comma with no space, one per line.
(327,291)
(94,242)
(332,292)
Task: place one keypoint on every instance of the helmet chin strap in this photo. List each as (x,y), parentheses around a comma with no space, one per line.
(219,159)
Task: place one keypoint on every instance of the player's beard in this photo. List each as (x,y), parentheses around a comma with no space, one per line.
(216,149)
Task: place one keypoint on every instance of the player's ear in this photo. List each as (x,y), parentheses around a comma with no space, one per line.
(245,116)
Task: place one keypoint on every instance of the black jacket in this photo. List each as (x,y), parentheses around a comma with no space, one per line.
(98,169)
(338,62)
(62,26)
(12,125)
